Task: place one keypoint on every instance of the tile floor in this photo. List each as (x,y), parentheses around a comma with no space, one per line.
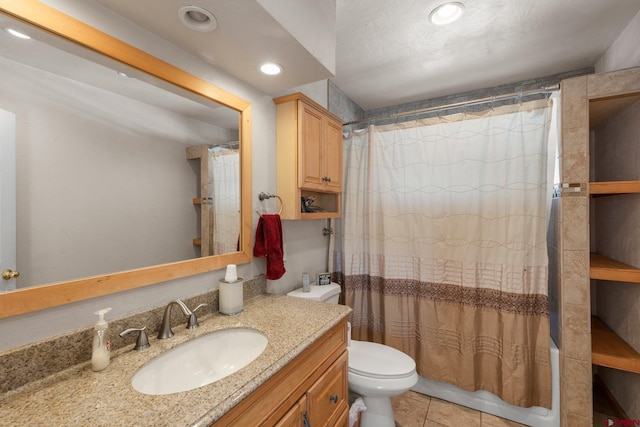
(417,410)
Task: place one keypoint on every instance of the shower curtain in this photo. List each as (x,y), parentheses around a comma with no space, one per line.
(441,250)
(224,189)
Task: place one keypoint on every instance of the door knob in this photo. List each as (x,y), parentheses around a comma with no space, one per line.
(9,274)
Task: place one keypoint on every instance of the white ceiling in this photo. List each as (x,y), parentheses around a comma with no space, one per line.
(387,53)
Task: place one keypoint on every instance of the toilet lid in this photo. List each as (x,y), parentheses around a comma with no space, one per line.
(379,361)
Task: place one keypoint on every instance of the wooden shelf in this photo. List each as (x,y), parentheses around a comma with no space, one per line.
(611,351)
(614,187)
(604,268)
(319,215)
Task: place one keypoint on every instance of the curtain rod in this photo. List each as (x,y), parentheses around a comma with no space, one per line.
(546,89)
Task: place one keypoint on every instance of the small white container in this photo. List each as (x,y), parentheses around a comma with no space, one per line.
(230,297)
(230,292)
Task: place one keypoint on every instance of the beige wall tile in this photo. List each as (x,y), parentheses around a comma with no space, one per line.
(574,168)
(574,105)
(575,224)
(576,141)
(578,388)
(615,82)
(575,280)
(576,332)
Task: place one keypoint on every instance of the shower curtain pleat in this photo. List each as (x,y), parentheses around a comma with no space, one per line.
(441,249)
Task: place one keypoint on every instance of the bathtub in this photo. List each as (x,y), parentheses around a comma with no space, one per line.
(490,403)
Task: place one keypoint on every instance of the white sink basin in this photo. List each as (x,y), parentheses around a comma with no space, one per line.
(200,361)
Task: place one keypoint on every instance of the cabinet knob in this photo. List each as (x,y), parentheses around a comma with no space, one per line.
(9,274)
(334,398)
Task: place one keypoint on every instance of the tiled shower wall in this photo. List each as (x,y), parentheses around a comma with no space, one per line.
(570,285)
(569,290)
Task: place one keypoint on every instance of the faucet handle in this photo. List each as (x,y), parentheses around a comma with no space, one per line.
(165,328)
(143,340)
(193,320)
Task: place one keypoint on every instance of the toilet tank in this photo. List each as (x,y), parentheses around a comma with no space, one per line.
(326,293)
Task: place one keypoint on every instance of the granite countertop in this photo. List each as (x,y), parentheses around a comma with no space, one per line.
(78,396)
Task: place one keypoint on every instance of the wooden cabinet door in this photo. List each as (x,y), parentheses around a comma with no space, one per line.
(328,397)
(296,415)
(311,173)
(333,156)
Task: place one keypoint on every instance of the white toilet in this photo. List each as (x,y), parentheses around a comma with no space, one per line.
(376,372)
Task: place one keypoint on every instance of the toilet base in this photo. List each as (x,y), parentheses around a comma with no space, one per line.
(379,412)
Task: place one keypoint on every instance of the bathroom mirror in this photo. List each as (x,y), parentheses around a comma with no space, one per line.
(129,181)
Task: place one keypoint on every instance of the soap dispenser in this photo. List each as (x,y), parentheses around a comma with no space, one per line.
(101,354)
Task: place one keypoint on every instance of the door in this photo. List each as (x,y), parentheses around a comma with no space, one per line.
(7,198)
(311,145)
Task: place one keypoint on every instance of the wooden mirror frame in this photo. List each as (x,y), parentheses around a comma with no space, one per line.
(26,300)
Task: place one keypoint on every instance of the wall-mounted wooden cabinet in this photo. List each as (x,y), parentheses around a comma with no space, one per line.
(309,158)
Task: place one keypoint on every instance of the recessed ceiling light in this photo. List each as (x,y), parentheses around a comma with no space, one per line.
(446,13)
(197,18)
(271,68)
(17,33)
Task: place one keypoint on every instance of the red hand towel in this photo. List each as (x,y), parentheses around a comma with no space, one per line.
(269,244)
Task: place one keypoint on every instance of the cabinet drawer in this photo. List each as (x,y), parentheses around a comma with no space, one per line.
(327,398)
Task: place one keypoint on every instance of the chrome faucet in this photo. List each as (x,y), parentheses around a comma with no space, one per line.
(165,329)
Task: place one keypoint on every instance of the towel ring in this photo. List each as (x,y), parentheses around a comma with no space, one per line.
(264,196)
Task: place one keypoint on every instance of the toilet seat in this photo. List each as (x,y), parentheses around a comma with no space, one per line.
(375,360)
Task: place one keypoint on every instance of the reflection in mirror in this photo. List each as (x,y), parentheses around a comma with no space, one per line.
(220,197)
(104,177)
(102,180)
